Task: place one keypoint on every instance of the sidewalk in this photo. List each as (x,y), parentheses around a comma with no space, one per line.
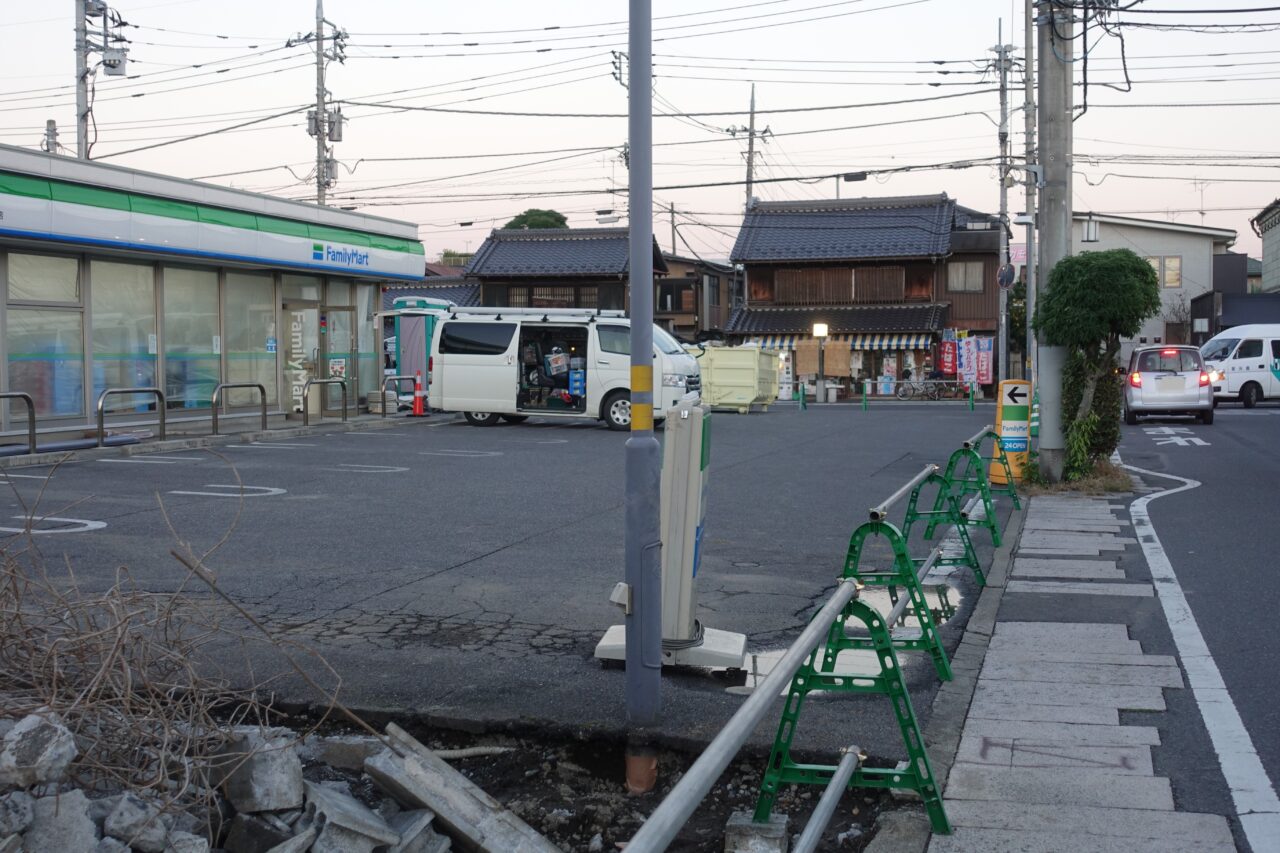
(1043,760)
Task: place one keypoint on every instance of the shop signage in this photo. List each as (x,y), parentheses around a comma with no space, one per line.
(947,358)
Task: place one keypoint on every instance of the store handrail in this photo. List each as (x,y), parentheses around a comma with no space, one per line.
(879,511)
(217,399)
(306,393)
(31,415)
(396,379)
(102,402)
(672,813)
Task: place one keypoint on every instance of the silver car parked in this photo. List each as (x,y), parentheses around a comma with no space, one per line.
(1168,380)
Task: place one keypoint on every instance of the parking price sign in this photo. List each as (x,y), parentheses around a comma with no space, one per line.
(1013,426)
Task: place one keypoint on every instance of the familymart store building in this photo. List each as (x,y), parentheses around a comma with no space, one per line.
(115,278)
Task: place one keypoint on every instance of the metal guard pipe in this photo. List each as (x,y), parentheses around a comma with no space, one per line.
(31,415)
(903,601)
(102,401)
(387,380)
(217,399)
(849,761)
(666,820)
(879,512)
(306,395)
(976,439)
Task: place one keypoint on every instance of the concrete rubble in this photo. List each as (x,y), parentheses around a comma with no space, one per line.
(264,802)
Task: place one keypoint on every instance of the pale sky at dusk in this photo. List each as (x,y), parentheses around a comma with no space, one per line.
(1154,152)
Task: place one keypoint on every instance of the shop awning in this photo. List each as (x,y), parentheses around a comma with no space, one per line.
(789,341)
(892,340)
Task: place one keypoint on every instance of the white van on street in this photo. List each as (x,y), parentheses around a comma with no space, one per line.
(496,364)
(1244,363)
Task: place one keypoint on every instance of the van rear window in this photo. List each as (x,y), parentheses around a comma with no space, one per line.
(1175,360)
(459,338)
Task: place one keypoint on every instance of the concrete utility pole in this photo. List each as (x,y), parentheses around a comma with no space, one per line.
(322,170)
(1002,64)
(643,456)
(50,143)
(82,81)
(1055,114)
(751,145)
(1029,128)
(671,208)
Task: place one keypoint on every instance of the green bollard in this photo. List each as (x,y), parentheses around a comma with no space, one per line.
(971,396)
(864,395)
(801,396)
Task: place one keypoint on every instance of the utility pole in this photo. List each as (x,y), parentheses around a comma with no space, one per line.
(671,208)
(1002,63)
(643,456)
(82,81)
(1032,178)
(751,145)
(50,143)
(322,123)
(1055,116)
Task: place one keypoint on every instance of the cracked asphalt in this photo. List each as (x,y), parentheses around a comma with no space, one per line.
(459,576)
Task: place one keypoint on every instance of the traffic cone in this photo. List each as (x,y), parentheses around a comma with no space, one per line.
(419,397)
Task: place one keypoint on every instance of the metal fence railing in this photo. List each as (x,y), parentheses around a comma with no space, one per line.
(31,415)
(217,400)
(102,404)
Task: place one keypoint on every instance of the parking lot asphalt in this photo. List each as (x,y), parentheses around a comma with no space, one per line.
(459,575)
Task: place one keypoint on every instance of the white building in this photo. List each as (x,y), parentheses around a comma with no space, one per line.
(1267,226)
(1182,256)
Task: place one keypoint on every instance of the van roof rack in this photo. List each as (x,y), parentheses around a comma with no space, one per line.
(541,313)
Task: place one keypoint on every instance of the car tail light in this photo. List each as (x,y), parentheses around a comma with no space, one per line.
(1204,379)
(1135,379)
(431,362)
(1168,352)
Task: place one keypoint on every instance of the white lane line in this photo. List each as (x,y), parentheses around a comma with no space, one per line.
(461,454)
(235,491)
(374,432)
(80,525)
(167,460)
(29,476)
(1251,790)
(351,468)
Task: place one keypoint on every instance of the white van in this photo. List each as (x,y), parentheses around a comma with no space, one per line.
(1244,363)
(510,363)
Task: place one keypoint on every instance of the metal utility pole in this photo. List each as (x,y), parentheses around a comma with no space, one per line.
(50,143)
(322,170)
(751,145)
(671,208)
(1055,117)
(323,124)
(82,81)
(643,545)
(1032,178)
(1002,62)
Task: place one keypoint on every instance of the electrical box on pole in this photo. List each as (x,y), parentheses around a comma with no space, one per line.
(686,459)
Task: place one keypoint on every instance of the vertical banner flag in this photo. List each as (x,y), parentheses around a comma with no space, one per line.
(986,353)
(947,358)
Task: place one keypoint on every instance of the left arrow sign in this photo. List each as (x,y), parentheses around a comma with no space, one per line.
(1016,394)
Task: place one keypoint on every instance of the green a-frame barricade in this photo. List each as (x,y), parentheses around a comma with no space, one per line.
(916,775)
(973,480)
(951,513)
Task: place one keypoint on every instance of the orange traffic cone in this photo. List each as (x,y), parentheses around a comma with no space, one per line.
(419,397)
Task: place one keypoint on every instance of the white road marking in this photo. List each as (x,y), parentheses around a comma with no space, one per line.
(463,454)
(378,432)
(351,468)
(268,445)
(1251,790)
(235,491)
(30,476)
(167,460)
(82,525)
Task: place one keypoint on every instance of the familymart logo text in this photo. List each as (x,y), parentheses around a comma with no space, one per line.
(342,255)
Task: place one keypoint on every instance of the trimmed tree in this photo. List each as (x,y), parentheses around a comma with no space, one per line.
(1093,300)
(537,218)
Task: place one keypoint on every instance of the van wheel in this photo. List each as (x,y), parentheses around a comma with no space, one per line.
(1250,395)
(481,418)
(1130,418)
(1206,417)
(515,419)
(616,410)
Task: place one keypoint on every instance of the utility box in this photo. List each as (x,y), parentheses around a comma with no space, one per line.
(686,458)
(738,377)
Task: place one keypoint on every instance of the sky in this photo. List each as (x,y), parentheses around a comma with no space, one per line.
(841,87)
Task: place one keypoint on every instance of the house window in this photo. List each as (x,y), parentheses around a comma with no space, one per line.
(964,277)
(1168,269)
(553,297)
(879,284)
(518,297)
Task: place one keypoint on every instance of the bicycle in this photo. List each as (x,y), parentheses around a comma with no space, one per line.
(909,389)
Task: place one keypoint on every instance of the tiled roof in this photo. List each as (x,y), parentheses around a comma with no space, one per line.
(926,317)
(847,229)
(544,252)
(456,289)
(436,270)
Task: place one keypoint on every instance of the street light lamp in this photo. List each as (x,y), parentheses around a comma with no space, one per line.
(820,332)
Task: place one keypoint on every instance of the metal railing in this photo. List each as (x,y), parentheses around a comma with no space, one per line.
(396,379)
(974,442)
(217,399)
(665,822)
(306,394)
(102,402)
(31,415)
(918,389)
(879,511)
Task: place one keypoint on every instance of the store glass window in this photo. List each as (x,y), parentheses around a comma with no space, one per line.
(368,341)
(46,359)
(338,292)
(192,347)
(124,332)
(249,339)
(43,278)
(304,287)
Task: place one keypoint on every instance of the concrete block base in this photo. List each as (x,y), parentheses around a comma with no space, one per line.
(743,835)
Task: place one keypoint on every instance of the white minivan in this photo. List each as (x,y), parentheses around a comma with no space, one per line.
(1244,363)
(496,364)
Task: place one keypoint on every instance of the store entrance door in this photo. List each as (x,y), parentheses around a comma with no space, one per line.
(338,358)
(301,355)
